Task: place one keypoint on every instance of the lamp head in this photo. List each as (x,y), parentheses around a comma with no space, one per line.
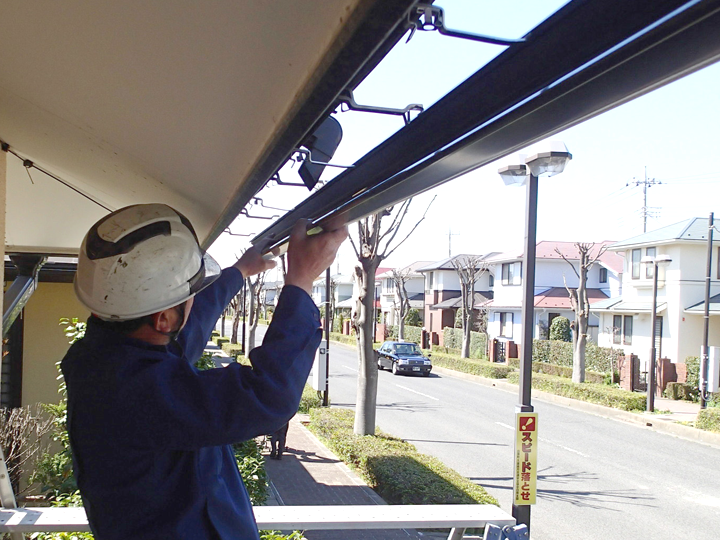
(550,161)
(513,175)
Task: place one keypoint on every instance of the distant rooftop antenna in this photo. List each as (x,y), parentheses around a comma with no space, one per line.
(646,183)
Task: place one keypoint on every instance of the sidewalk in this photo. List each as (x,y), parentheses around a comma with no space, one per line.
(310,474)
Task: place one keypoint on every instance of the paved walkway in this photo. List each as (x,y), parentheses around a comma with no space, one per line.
(310,474)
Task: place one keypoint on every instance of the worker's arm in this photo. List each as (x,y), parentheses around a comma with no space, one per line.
(192,409)
(210,303)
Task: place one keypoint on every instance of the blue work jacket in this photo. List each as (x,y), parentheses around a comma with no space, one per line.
(150,433)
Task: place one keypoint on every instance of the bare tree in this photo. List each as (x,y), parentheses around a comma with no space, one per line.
(400,278)
(372,247)
(469,268)
(236,304)
(580,305)
(254,289)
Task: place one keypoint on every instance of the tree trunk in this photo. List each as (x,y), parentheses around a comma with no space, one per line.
(236,319)
(367,365)
(581,327)
(252,317)
(401,328)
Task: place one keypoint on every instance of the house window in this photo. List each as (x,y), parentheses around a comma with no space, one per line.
(650,268)
(635,262)
(627,329)
(617,329)
(491,281)
(430,280)
(603,274)
(512,273)
(506,324)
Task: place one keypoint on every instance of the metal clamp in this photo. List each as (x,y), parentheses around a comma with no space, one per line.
(348,99)
(516,532)
(433,18)
(306,155)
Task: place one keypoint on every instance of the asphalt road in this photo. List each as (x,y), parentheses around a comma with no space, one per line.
(599,479)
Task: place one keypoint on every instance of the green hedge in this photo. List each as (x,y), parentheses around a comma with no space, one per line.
(412,333)
(473,366)
(594,393)
(309,400)
(708,419)
(597,359)
(453,339)
(342,338)
(680,391)
(392,467)
(561,371)
(232,349)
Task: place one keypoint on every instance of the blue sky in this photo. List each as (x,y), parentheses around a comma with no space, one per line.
(672,131)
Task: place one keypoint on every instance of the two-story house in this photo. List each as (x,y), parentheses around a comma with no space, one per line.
(443,291)
(343,289)
(390,296)
(626,321)
(552,275)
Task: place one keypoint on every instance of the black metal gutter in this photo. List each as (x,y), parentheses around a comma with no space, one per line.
(576,35)
(374,27)
(642,66)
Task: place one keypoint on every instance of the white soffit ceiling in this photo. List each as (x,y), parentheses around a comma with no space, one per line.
(165,101)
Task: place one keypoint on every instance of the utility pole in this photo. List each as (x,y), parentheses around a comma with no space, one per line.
(450,235)
(646,183)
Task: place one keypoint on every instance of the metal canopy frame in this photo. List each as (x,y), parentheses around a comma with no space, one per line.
(589,57)
(378,29)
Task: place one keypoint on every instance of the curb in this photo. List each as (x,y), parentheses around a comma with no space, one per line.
(652,422)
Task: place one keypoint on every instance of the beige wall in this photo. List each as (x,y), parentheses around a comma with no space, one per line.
(44,341)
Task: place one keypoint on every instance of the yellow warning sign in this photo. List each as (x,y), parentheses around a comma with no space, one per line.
(526,443)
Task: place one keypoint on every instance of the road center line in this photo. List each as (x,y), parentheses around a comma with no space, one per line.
(416,392)
(351,369)
(505,426)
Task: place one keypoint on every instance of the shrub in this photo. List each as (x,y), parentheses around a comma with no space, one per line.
(483,368)
(708,419)
(413,318)
(677,391)
(251,465)
(232,349)
(392,467)
(310,399)
(693,371)
(560,329)
(597,359)
(342,338)
(453,338)
(594,393)
(561,371)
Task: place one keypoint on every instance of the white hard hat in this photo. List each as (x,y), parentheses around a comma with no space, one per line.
(139,260)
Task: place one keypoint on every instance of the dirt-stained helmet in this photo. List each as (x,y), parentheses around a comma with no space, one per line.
(139,260)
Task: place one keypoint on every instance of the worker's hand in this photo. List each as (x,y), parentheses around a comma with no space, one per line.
(308,256)
(252,262)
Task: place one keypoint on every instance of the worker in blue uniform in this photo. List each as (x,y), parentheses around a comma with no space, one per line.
(150,433)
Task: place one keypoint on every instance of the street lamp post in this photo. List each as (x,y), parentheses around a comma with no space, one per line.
(550,162)
(660,260)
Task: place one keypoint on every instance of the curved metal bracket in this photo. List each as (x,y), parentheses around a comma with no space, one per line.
(433,18)
(348,99)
